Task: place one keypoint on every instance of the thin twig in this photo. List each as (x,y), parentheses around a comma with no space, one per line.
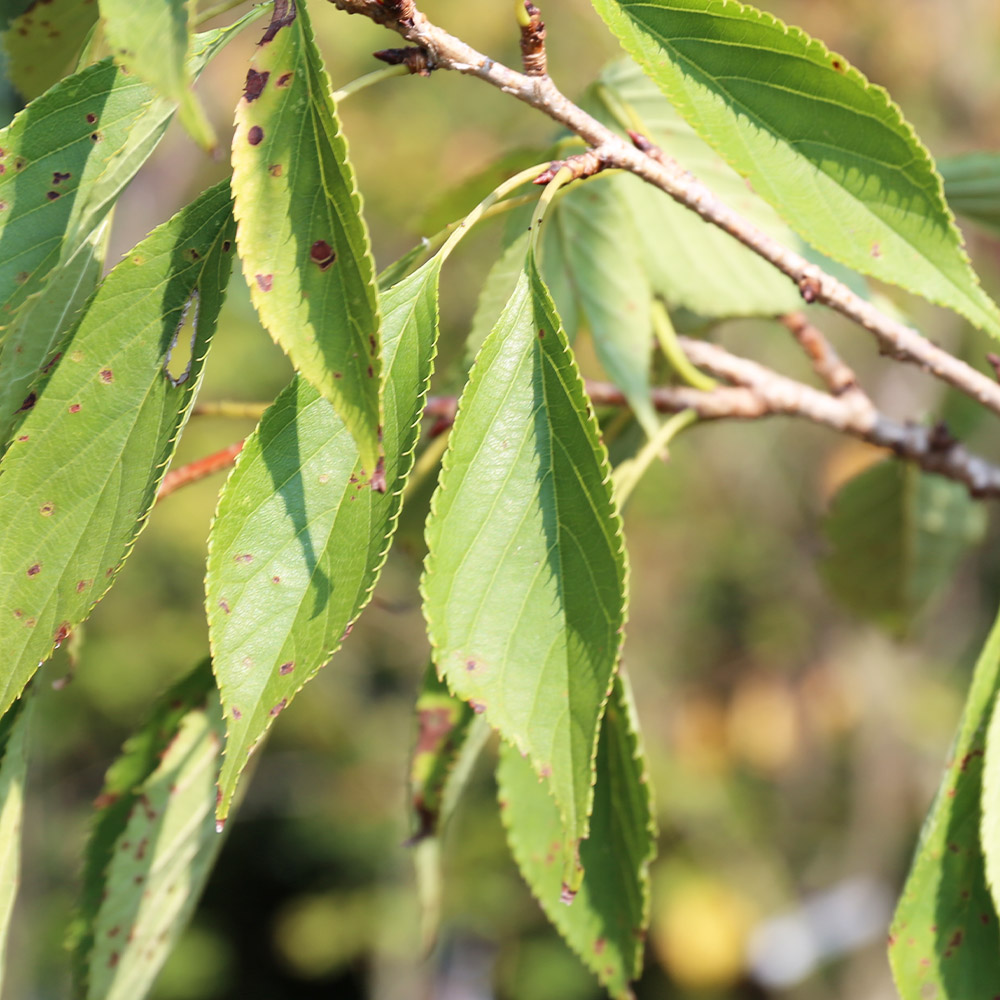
(895,338)
(838,376)
(199,469)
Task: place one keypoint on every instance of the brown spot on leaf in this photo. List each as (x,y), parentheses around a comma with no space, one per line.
(284,14)
(225,606)
(478,707)
(61,634)
(237,714)
(286,668)
(837,65)
(279,708)
(95,136)
(113,960)
(74,408)
(58,178)
(541,334)
(322,253)
(52,195)
(193,254)
(265,282)
(275,169)
(255,136)
(254,85)
(91,118)
(51,363)
(29,402)
(226,246)
(599,946)
(107,375)
(47,509)
(23,437)
(876,250)
(82,585)
(371,372)
(284,79)
(338,375)
(275,579)
(22,277)
(34,570)
(245,558)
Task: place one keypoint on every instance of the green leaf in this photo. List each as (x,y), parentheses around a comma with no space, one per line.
(605,924)
(443,723)
(13,764)
(303,241)
(153,843)
(82,470)
(944,940)
(42,43)
(972,187)
(524,583)
(829,150)
(67,156)
(300,537)
(896,535)
(152,39)
(29,348)
(602,255)
(691,263)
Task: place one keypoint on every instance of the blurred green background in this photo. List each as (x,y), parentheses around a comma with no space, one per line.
(794,749)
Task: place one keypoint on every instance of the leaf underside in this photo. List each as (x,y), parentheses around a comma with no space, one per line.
(606,922)
(84,464)
(896,535)
(300,535)
(972,187)
(303,242)
(153,844)
(524,583)
(944,941)
(828,149)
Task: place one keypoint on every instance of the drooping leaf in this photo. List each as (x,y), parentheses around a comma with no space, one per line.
(31,343)
(67,156)
(691,263)
(300,537)
(42,42)
(896,535)
(13,764)
(11,9)
(611,284)
(524,583)
(972,187)
(152,39)
(828,149)
(303,241)
(83,467)
(443,722)
(944,941)
(153,843)
(606,923)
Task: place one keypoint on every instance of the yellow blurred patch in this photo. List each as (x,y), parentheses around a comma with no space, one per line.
(700,932)
(762,725)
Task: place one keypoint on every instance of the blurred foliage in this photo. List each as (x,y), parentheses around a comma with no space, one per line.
(791,746)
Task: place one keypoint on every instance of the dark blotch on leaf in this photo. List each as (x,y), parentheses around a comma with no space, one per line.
(226,246)
(255,84)
(47,509)
(255,136)
(58,178)
(286,668)
(284,14)
(284,79)
(95,136)
(29,402)
(107,375)
(34,570)
(52,195)
(322,253)
(237,714)
(279,707)
(91,118)
(74,408)
(265,282)
(275,169)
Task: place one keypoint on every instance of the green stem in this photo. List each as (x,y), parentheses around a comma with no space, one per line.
(667,336)
(426,463)
(626,477)
(362,82)
(219,8)
(231,410)
(563,176)
(479,212)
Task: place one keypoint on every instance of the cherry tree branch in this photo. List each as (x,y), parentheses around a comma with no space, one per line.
(445,51)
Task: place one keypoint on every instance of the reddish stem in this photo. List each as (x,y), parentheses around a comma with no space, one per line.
(198,469)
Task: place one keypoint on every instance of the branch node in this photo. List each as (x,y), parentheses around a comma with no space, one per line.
(644,144)
(401,11)
(810,287)
(414,58)
(585,164)
(533,42)
(940,439)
